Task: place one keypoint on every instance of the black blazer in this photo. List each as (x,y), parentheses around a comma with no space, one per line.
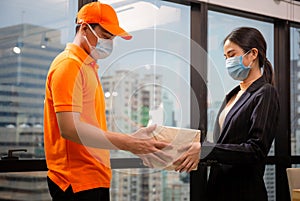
(242,145)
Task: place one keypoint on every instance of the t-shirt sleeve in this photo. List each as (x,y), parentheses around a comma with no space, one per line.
(66,86)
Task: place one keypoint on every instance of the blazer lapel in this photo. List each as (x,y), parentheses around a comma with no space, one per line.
(245,96)
(231,113)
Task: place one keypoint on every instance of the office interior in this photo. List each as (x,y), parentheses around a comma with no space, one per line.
(171,72)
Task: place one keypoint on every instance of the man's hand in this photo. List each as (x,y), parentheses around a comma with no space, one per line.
(149,149)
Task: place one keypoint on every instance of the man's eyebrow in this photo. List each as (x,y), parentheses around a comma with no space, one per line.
(105,31)
(109,34)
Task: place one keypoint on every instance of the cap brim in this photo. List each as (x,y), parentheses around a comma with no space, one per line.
(127,37)
(117,31)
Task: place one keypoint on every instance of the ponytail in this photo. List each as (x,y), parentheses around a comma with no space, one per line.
(268,72)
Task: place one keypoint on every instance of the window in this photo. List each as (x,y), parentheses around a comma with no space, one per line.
(219,82)
(153,68)
(295,90)
(29,42)
(30,37)
(149,75)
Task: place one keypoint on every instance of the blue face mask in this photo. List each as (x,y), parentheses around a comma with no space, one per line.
(236,69)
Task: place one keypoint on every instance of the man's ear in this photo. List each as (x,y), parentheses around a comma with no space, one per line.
(83,28)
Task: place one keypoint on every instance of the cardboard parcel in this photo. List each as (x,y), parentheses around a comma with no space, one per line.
(180,138)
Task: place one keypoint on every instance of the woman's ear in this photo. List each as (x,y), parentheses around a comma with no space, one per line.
(254,53)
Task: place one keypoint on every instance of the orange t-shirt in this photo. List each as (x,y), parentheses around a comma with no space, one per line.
(73,85)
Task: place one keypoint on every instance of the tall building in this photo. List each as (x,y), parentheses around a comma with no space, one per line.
(121,101)
(130,99)
(295,104)
(26,52)
(168,109)
(25,59)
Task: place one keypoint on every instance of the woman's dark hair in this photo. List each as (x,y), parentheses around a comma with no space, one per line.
(248,38)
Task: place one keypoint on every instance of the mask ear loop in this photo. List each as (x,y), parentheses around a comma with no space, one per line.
(88,41)
(92,48)
(247,52)
(249,66)
(93,31)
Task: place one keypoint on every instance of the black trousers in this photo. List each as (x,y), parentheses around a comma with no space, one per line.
(96,194)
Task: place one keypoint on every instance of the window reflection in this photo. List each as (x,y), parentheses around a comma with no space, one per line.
(270,182)
(31,35)
(146,80)
(295,97)
(29,41)
(146,184)
(24,186)
(25,59)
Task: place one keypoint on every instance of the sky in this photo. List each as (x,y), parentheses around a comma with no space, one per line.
(54,14)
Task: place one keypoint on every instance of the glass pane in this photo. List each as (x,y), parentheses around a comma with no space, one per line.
(147,80)
(34,34)
(31,35)
(295,91)
(146,184)
(219,82)
(270,182)
(24,186)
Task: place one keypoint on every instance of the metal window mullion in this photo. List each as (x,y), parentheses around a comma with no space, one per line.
(282,78)
(198,75)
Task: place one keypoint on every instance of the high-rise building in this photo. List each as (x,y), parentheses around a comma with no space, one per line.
(295,105)
(26,52)
(25,59)
(121,101)
(130,98)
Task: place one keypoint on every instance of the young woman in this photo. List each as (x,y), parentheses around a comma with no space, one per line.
(246,123)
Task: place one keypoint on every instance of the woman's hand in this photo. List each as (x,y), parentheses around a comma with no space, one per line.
(190,159)
(144,145)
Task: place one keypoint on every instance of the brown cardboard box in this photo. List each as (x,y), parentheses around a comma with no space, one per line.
(179,138)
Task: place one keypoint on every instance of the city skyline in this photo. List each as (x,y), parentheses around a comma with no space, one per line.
(21,115)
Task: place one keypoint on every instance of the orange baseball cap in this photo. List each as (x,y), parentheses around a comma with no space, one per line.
(103,14)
